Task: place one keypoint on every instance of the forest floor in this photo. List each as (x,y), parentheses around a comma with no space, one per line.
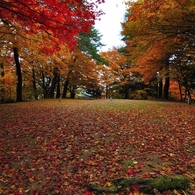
(52,147)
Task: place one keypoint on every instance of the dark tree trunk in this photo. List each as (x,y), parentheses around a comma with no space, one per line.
(58,87)
(53,83)
(43,85)
(34,84)
(2,89)
(72,94)
(2,70)
(107,91)
(160,86)
(19,76)
(65,88)
(166,88)
(126,90)
(167,79)
(189,95)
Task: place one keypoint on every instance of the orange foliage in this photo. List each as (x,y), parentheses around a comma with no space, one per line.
(117,66)
(154,30)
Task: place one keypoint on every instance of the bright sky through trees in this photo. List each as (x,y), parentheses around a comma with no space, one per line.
(110,24)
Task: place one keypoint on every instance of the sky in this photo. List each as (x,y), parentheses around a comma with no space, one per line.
(110,24)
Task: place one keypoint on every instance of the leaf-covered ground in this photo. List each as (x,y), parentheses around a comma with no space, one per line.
(51,147)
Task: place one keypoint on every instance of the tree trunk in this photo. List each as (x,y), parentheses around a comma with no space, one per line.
(2,84)
(43,85)
(34,84)
(160,86)
(58,87)
(189,95)
(53,84)
(167,79)
(72,94)
(107,91)
(19,76)
(166,88)
(65,88)
(126,90)
(2,70)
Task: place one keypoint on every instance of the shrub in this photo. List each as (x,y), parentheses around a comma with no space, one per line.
(139,95)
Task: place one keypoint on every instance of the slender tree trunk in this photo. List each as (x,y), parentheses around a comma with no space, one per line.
(43,85)
(160,86)
(65,88)
(19,76)
(107,91)
(66,84)
(58,87)
(2,83)
(167,79)
(52,89)
(166,88)
(126,90)
(189,95)
(53,83)
(2,70)
(34,84)
(72,94)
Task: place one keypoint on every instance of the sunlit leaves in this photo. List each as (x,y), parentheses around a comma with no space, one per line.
(116,66)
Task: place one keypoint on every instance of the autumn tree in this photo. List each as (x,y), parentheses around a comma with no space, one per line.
(62,21)
(155,32)
(81,72)
(7,77)
(118,71)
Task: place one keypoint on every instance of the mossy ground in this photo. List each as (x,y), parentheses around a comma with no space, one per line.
(162,184)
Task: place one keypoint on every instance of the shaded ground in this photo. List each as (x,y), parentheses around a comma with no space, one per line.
(51,147)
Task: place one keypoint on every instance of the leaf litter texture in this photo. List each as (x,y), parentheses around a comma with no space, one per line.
(51,147)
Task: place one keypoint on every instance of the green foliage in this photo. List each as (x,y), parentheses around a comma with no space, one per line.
(89,43)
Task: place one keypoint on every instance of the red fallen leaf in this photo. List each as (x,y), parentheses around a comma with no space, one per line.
(141,166)
(29,174)
(131,172)
(17,192)
(47,185)
(166,193)
(87,193)
(99,164)
(78,179)
(135,188)
(14,180)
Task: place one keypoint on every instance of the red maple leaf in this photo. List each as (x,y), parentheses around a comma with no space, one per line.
(131,172)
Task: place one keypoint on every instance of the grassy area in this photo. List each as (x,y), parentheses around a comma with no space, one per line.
(52,147)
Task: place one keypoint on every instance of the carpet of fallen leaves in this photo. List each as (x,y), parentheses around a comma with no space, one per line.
(52,147)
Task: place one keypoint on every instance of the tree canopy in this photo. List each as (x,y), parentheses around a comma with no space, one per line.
(61,19)
(160,38)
